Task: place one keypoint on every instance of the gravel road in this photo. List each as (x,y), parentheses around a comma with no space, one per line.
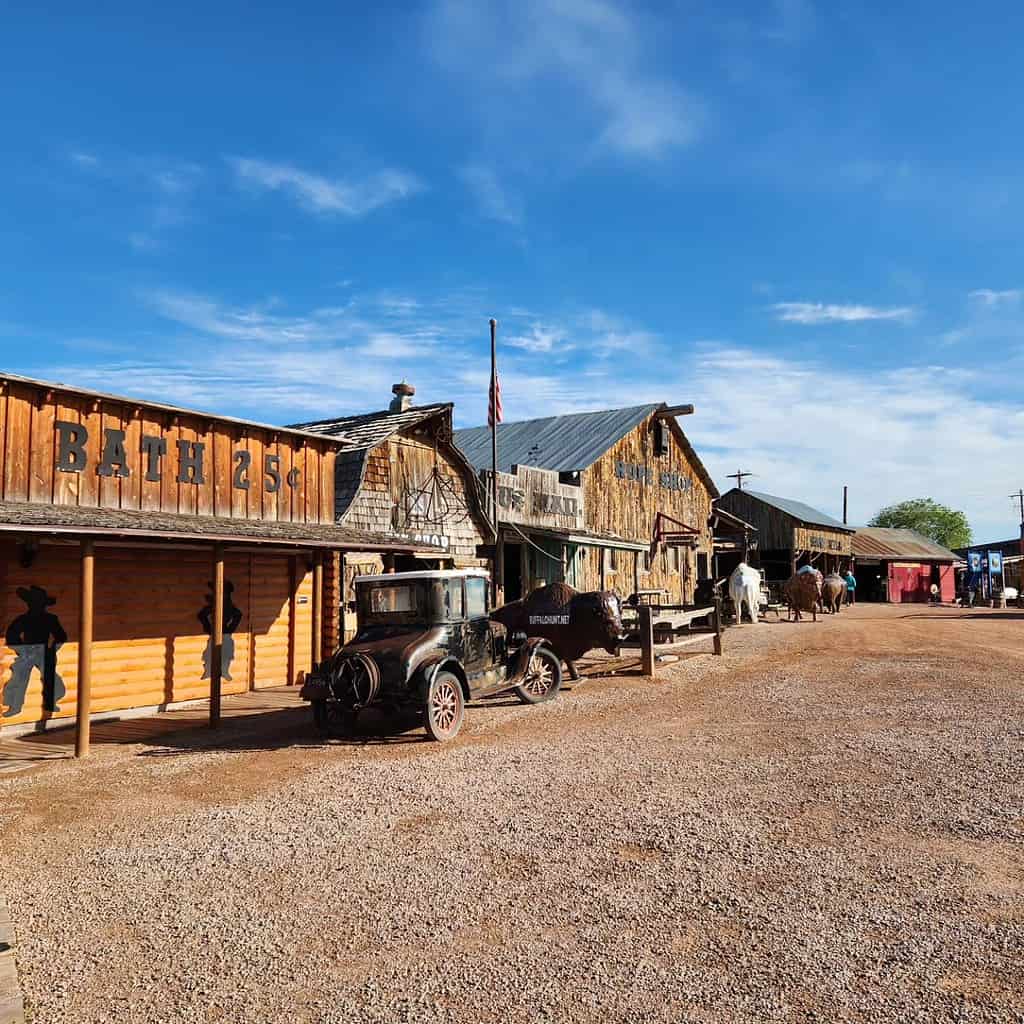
(827,824)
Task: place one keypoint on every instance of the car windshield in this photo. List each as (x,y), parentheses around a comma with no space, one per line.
(390,602)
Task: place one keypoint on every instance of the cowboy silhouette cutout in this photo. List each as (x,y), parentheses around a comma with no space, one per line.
(232,617)
(35,636)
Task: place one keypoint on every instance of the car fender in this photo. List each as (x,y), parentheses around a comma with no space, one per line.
(428,668)
(525,653)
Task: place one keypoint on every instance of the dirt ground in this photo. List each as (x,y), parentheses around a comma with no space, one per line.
(826,824)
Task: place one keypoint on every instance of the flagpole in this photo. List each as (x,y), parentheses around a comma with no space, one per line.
(493,405)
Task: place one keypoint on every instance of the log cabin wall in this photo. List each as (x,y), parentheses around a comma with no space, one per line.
(150,645)
(623,493)
(70,448)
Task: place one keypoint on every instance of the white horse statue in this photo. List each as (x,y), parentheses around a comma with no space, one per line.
(745,588)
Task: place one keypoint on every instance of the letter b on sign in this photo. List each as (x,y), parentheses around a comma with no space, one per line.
(71,441)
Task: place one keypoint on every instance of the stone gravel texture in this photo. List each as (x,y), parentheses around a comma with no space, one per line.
(827,824)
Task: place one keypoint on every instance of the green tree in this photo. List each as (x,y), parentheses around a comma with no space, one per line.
(941,524)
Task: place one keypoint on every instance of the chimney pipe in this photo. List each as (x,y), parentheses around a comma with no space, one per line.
(403,397)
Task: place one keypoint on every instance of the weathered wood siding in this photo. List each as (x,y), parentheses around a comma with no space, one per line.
(774,527)
(396,472)
(623,493)
(821,538)
(39,426)
(149,645)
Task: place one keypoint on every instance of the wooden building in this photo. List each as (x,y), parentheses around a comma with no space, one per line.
(152,554)
(616,499)
(789,534)
(399,475)
(900,566)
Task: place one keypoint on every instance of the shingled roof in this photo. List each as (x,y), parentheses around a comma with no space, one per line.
(368,429)
(78,520)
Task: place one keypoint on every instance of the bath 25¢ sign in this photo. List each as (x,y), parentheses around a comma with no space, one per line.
(72,439)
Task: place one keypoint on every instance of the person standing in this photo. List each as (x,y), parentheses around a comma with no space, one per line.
(851,587)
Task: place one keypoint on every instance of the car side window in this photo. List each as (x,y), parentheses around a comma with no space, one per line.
(453,599)
(476,597)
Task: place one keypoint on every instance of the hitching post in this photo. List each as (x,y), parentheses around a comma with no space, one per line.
(646,640)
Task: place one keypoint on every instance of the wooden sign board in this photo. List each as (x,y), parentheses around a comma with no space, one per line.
(64,447)
(536,497)
(822,539)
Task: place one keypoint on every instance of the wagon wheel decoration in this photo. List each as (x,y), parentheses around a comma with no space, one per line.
(436,503)
(356,681)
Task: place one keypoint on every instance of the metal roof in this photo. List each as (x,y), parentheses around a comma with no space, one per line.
(369,429)
(561,443)
(885,544)
(798,510)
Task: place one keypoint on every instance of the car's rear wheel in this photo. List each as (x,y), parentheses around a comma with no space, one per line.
(543,678)
(445,707)
(331,719)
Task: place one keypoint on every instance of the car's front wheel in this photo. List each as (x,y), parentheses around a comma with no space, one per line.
(445,707)
(543,678)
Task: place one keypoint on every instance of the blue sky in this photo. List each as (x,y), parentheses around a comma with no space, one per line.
(803,218)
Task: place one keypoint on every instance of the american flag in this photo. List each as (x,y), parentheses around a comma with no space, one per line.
(494,413)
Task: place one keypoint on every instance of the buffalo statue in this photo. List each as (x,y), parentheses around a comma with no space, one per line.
(745,589)
(571,621)
(802,593)
(833,592)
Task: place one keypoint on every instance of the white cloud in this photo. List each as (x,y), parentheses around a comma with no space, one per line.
(993,299)
(540,338)
(805,427)
(827,313)
(350,198)
(494,200)
(588,65)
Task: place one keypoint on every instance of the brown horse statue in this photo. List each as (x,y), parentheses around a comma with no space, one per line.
(833,592)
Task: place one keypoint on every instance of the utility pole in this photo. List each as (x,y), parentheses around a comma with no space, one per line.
(846,489)
(738,476)
(1020,497)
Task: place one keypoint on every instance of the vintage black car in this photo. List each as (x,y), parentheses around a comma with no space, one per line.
(425,643)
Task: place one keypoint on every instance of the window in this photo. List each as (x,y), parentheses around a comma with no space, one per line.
(453,599)
(476,597)
(391,599)
(613,560)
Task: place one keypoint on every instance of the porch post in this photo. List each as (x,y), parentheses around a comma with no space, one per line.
(85,621)
(217,635)
(318,606)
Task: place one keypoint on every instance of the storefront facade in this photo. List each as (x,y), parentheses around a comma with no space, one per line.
(151,555)
(615,500)
(400,476)
(789,533)
(900,566)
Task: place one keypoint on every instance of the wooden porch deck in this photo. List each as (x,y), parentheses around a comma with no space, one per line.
(18,753)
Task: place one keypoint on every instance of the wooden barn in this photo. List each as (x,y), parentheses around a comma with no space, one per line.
(789,534)
(900,566)
(616,499)
(151,554)
(399,475)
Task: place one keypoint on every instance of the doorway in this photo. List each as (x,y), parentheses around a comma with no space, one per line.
(512,567)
